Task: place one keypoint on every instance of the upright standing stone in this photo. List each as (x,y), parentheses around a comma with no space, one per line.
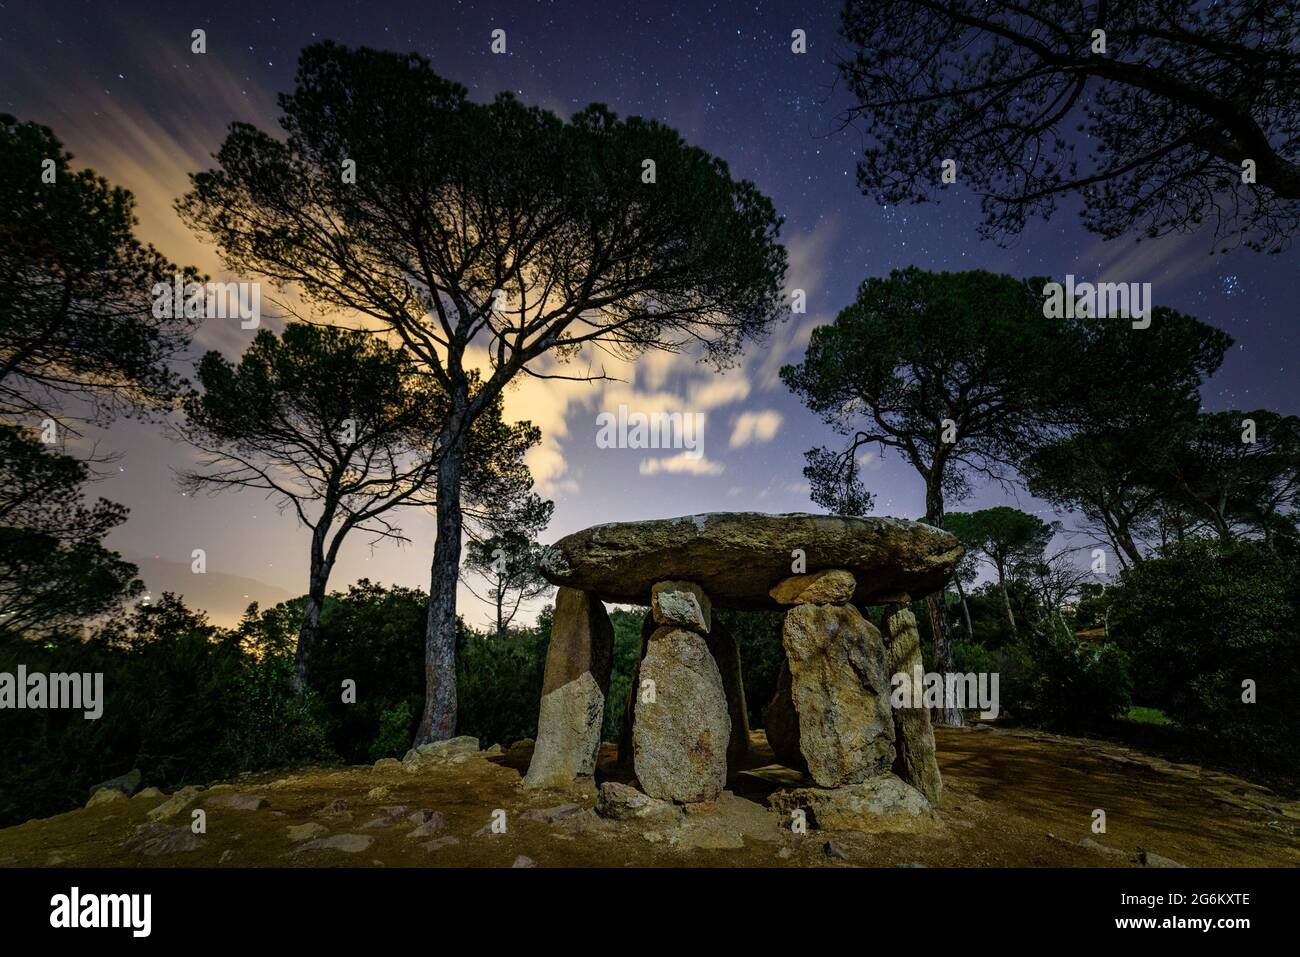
(840,686)
(680,740)
(726,652)
(914,737)
(578,664)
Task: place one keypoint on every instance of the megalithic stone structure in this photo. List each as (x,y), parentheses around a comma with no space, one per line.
(578,664)
(832,716)
(913,735)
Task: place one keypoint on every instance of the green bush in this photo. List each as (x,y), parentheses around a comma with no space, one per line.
(627,652)
(759,636)
(184,702)
(499,684)
(396,731)
(1200,619)
(1072,688)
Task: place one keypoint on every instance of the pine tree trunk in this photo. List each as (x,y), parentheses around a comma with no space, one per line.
(307,633)
(940,634)
(965,609)
(317,583)
(439,720)
(1006,602)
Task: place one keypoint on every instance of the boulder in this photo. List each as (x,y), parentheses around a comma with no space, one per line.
(680,739)
(578,664)
(834,586)
(127,783)
(726,653)
(105,796)
(175,804)
(619,802)
(305,832)
(437,752)
(735,557)
(781,723)
(915,760)
(880,804)
(840,686)
(681,603)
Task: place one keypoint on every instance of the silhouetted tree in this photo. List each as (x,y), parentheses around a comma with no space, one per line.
(1188,114)
(488,231)
(1008,539)
(342,429)
(54,568)
(956,372)
(1239,473)
(76,287)
(510,565)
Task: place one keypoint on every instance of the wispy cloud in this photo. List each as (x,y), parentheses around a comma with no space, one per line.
(753,427)
(682,464)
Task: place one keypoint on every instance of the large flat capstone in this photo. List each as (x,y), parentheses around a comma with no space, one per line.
(736,557)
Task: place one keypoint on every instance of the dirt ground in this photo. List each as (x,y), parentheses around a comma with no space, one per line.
(1019,799)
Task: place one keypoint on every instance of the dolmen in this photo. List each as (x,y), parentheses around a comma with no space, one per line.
(685,716)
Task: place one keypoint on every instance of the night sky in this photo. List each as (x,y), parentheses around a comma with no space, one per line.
(120,87)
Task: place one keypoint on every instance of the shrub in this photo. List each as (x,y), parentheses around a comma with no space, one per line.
(1200,619)
(396,731)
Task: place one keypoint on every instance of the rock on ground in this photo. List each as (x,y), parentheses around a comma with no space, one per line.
(840,686)
(156,839)
(915,760)
(440,842)
(736,557)
(127,783)
(620,802)
(880,804)
(346,843)
(305,832)
(178,802)
(680,740)
(235,801)
(683,604)
(833,586)
(578,664)
(105,796)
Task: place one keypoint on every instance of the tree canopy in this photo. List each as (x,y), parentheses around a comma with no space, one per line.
(76,300)
(1178,114)
(492,230)
(340,428)
(54,567)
